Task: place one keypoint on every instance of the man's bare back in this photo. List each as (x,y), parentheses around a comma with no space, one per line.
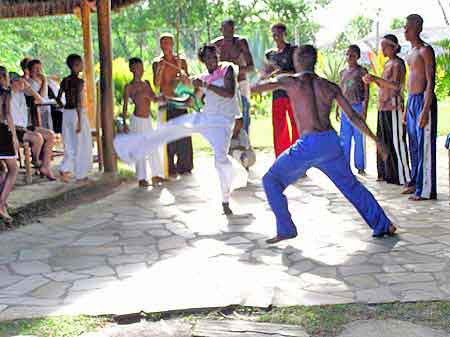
(311,98)
(394,71)
(141,93)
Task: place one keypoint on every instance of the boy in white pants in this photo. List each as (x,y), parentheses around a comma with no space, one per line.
(75,129)
(141,93)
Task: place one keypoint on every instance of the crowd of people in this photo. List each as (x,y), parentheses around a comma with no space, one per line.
(299,96)
(33,108)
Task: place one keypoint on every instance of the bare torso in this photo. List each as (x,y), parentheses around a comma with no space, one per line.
(417,81)
(232,51)
(311,98)
(141,94)
(391,99)
(169,76)
(352,84)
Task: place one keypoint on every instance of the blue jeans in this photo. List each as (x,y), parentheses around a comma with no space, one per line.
(321,150)
(348,131)
(246,113)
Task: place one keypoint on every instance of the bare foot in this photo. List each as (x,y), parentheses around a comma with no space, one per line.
(279,238)
(409,190)
(82,180)
(47,173)
(4,214)
(158,181)
(226,208)
(416,198)
(144,184)
(64,176)
(392,230)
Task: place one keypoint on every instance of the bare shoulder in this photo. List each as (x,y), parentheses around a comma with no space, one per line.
(242,41)
(217,40)
(426,51)
(363,70)
(328,85)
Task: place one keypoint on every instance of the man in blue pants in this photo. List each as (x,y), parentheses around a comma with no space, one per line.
(319,147)
(420,115)
(357,93)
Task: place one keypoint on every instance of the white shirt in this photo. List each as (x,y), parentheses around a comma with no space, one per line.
(19,109)
(216,104)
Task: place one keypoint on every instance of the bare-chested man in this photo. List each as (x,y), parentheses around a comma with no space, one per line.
(235,49)
(168,71)
(141,93)
(390,127)
(319,146)
(421,112)
(357,93)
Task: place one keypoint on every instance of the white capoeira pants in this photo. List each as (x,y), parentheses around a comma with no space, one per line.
(217,129)
(77,146)
(144,125)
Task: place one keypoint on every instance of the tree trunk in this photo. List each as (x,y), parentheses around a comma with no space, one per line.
(444,13)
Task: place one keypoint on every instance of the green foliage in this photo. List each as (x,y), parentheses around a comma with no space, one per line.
(443,70)
(397,23)
(358,28)
(330,64)
(52,326)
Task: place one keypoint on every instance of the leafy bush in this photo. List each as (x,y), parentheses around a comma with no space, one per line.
(443,71)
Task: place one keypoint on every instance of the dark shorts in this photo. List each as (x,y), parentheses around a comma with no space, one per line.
(21,132)
(6,143)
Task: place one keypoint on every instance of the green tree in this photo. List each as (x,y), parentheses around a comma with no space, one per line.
(358,28)
(397,23)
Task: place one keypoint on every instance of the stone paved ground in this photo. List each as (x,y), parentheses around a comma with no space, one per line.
(167,249)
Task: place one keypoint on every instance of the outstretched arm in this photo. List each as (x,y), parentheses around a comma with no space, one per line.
(369,78)
(358,121)
(272,84)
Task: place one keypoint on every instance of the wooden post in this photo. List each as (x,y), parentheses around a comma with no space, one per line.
(106,85)
(88,62)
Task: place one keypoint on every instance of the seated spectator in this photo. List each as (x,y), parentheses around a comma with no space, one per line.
(41,116)
(8,145)
(240,148)
(41,139)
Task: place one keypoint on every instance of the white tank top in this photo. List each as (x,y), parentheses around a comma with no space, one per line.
(19,109)
(216,104)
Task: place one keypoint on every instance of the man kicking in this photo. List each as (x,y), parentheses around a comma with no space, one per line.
(215,122)
(319,146)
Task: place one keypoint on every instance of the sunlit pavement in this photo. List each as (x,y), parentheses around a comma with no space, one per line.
(171,248)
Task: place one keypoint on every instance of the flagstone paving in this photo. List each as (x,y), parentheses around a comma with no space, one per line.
(170,248)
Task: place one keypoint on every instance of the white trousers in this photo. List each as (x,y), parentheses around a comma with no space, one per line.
(77,146)
(144,125)
(217,130)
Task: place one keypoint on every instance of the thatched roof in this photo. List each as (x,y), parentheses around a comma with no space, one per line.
(28,8)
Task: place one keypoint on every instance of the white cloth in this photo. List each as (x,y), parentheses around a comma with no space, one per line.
(244,89)
(77,146)
(44,111)
(216,104)
(216,128)
(144,125)
(19,109)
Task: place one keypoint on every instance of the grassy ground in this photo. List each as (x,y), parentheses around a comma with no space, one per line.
(261,132)
(318,321)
